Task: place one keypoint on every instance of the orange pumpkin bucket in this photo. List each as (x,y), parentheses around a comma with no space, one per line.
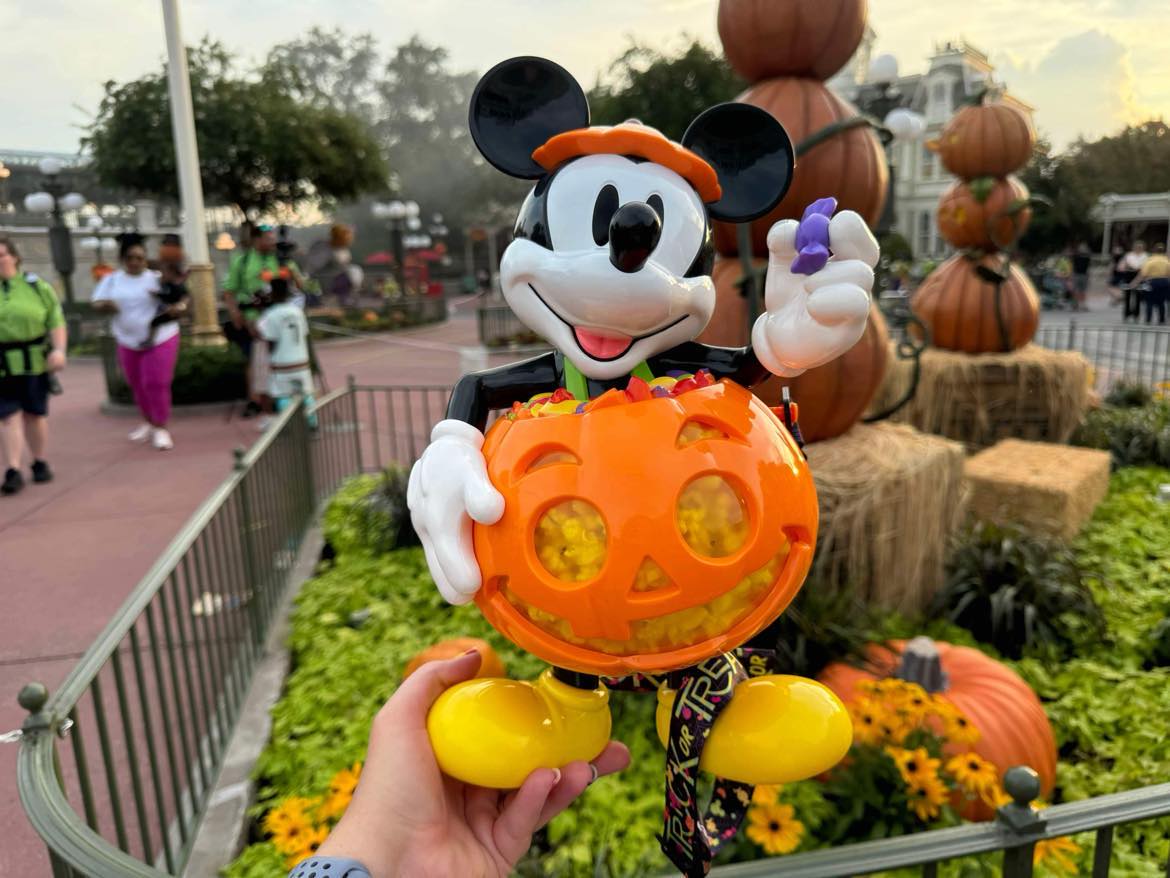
(645,537)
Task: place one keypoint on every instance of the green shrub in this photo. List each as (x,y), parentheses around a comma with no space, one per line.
(1017,592)
(1135,436)
(1129,393)
(202,374)
(369,514)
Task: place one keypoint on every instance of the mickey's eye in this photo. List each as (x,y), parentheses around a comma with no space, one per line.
(655,202)
(603,211)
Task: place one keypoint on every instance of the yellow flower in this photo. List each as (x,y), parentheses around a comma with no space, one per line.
(1056,854)
(293,810)
(293,834)
(926,795)
(341,789)
(867,721)
(313,839)
(914,765)
(766,794)
(774,828)
(974,773)
(956,727)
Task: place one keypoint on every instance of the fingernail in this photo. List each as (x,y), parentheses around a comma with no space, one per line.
(596,773)
(556,776)
(471,651)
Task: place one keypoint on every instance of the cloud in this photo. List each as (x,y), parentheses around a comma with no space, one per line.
(1084,86)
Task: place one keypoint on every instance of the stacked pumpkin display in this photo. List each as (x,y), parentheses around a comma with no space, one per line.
(977,301)
(786,48)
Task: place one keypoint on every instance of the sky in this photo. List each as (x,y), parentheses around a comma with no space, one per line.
(1088,66)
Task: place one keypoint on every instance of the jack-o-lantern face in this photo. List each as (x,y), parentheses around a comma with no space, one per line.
(645,537)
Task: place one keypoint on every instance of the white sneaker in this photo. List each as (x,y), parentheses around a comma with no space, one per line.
(162,440)
(141,433)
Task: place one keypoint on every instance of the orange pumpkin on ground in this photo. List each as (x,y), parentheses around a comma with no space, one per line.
(986,214)
(832,397)
(850,166)
(489,666)
(1014,729)
(647,536)
(987,140)
(958,306)
(765,38)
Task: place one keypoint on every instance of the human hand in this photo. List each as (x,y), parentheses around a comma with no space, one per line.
(448,489)
(408,819)
(176,309)
(814,318)
(55,361)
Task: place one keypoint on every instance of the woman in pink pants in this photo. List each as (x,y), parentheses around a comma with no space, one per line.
(146,352)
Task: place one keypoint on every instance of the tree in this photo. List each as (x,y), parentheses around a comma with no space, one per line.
(260,148)
(663,91)
(415,107)
(1133,161)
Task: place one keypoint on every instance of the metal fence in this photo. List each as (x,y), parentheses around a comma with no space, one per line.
(1138,353)
(116,768)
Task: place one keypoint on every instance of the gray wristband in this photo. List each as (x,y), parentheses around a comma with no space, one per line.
(329,867)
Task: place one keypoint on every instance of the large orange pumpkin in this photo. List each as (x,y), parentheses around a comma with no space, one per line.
(764,38)
(645,537)
(1014,729)
(987,140)
(832,397)
(490,664)
(959,307)
(986,214)
(849,166)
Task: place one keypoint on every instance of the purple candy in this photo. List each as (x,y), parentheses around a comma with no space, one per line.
(812,237)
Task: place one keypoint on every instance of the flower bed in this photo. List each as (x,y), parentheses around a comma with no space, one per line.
(361,619)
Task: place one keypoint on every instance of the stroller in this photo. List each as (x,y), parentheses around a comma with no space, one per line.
(1053,291)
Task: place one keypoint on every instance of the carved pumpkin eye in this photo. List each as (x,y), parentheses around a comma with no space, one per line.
(571,541)
(712,517)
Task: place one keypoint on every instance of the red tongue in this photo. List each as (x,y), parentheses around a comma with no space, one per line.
(602,347)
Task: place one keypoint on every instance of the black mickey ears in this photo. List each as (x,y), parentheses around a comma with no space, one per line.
(751,154)
(517,106)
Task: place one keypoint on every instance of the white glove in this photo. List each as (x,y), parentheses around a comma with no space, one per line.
(812,319)
(448,488)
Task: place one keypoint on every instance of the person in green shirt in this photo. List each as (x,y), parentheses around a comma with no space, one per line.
(32,347)
(244,290)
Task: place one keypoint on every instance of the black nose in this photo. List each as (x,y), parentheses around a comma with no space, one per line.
(633,234)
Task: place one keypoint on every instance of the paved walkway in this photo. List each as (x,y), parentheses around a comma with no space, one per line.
(72,550)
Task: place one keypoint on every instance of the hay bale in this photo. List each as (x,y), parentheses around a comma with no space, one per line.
(1033,393)
(890,498)
(1046,489)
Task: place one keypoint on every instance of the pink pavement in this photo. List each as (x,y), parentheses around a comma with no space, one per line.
(72,550)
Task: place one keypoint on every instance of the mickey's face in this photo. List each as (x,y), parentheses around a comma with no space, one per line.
(611,263)
(612,255)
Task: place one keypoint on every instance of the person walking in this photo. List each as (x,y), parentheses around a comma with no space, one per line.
(147,350)
(1082,261)
(244,293)
(284,327)
(1132,263)
(1155,274)
(32,348)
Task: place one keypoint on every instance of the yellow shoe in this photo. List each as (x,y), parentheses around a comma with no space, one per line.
(777,729)
(494,733)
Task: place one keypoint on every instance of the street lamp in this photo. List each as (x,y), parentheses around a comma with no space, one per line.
(401,214)
(54,200)
(898,124)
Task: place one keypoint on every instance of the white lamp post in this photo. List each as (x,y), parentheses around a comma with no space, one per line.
(54,200)
(201,279)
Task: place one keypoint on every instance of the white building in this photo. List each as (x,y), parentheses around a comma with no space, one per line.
(955,73)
